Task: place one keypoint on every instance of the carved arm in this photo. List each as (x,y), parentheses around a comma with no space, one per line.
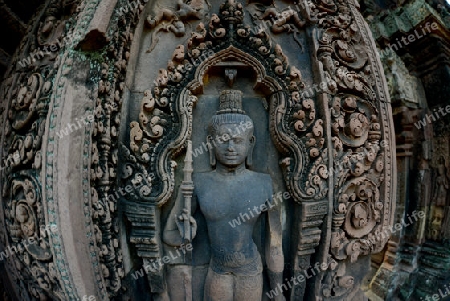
(274,249)
(173,233)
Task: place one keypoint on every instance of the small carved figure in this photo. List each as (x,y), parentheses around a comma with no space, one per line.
(176,19)
(50,30)
(436,223)
(441,186)
(285,20)
(184,12)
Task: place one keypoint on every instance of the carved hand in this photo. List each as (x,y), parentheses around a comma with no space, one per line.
(180,224)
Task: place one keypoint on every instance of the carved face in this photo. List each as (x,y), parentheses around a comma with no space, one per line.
(232,144)
(48,24)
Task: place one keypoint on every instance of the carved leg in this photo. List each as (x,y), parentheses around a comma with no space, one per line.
(298,21)
(248,288)
(198,281)
(179,277)
(218,287)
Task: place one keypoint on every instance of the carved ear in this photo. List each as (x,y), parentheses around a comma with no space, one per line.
(212,155)
(249,159)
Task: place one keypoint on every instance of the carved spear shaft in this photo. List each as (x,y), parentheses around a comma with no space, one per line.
(187,188)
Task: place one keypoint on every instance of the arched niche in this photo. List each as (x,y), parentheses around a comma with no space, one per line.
(264,92)
(330,144)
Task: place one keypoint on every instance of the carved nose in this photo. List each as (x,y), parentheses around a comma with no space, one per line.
(230,145)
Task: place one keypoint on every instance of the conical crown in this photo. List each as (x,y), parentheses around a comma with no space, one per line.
(230,101)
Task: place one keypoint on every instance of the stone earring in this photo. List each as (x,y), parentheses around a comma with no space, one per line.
(249,159)
(212,156)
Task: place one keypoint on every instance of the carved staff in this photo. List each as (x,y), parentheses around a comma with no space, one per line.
(187,188)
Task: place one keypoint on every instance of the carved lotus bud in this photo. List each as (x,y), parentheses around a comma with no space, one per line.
(314,152)
(178,54)
(379,165)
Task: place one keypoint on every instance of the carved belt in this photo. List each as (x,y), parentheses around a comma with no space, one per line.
(236,262)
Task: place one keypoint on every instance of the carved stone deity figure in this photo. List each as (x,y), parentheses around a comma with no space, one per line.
(229,191)
(441,186)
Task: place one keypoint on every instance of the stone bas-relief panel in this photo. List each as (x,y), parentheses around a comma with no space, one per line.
(333,147)
(287,101)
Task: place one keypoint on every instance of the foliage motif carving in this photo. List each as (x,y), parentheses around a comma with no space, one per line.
(361,170)
(22,197)
(104,155)
(25,98)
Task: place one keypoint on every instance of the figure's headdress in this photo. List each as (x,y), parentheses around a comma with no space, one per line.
(230,110)
(230,101)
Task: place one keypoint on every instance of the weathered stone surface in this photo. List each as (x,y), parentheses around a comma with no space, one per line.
(114,187)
